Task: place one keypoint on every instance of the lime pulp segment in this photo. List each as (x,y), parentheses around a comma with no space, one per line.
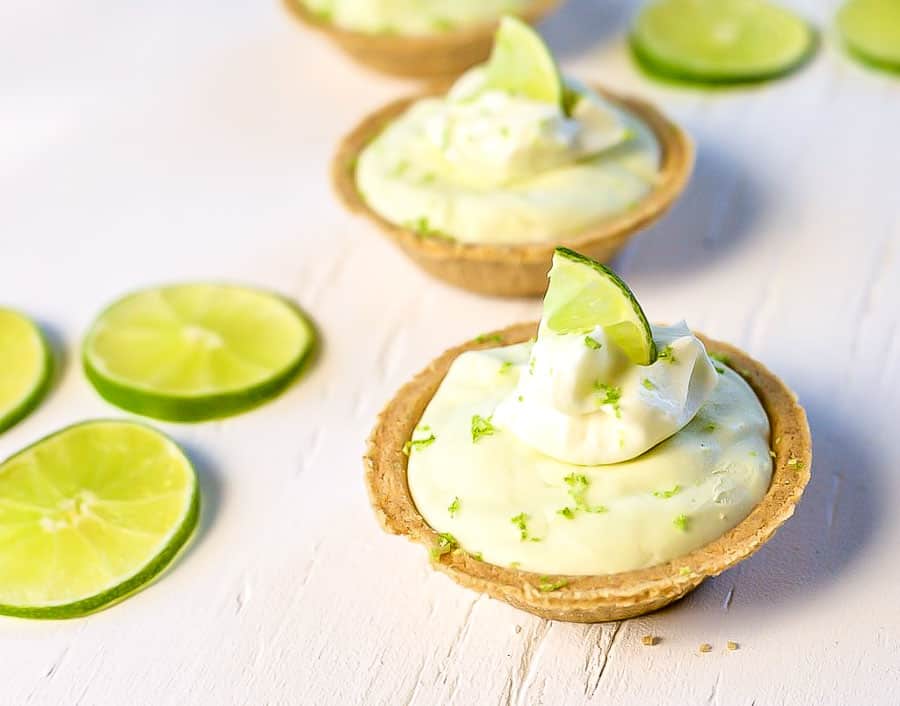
(89,515)
(720,41)
(196,351)
(26,367)
(521,64)
(871,30)
(584,294)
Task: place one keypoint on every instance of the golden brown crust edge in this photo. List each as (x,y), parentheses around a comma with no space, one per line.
(517,270)
(427,57)
(590,598)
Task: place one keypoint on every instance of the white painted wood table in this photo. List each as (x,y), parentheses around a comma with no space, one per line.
(150,142)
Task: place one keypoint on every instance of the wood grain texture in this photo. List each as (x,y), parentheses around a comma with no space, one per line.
(145,144)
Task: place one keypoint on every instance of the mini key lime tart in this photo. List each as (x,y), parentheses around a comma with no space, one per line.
(414,38)
(591,467)
(479,184)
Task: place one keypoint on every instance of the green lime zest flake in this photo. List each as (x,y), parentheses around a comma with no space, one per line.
(648,384)
(478,556)
(400,168)
(531,363)
(453,508)
(567,512)
(505,367)
(429,178)
(520,398)
(685,571)
(521,521)
(709,426)
(611,396)
(721,358)
(547,584)
(794,462)
(666,494)
(592,344)
(753,453)
(442,24)
(445,544)
(578,484)
(421,226)
(668,355)
(515,564)
(682,522)
(481,427)
(418,444)
(488,338)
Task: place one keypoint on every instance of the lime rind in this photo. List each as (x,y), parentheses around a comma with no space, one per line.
(25,406)
(140,398)
(147,574)
(631,332)
(858,20)
(694,70)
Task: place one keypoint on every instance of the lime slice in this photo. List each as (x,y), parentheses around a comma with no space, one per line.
(196,351)
(720,41)
(90,515)
(871,30)
(584,294)
(26,367)
(521,64)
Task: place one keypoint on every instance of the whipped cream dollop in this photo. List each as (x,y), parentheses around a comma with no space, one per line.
(582,401)
(491,138)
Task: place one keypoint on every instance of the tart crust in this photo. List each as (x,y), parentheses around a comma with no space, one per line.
(425,57)
(518,270)
(588,599)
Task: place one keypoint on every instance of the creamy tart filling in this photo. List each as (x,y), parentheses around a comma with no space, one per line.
(411,17)
(480,165)
(559,456)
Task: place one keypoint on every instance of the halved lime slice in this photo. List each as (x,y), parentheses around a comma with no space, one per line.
(720,41)
(196,351)
(90,515)
(26,367)
(521,64)
(871,30)
(584,294)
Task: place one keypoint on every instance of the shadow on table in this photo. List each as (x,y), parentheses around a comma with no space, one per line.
(580,25)
(840,512)
(715,216)
(210,492)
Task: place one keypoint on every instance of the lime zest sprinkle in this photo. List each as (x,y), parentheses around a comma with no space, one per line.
(489,338)
(567,512)
(666,494)
(531,363)
(612,395)
(668,354)
(682,522)
(521,521)
(709,426)
(578,484)
(515,564)
(442,24)
(505,367)
(481,427)
(521,398)
(445,544)
(421,226)
(400,168)
(592,344)
(547,584)
(648,384)
(685,571)
(795,463)
(417,444)
(453,508)
(477,556)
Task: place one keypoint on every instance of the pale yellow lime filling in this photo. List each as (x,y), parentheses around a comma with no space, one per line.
(680,495)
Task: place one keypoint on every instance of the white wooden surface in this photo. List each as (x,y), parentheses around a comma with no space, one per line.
(146,142)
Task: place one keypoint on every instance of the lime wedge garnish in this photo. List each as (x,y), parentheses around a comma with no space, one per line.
(720,41)
(522,65)
(89,515)
(871,29)
(584,294)
(26,367)
(196,351)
